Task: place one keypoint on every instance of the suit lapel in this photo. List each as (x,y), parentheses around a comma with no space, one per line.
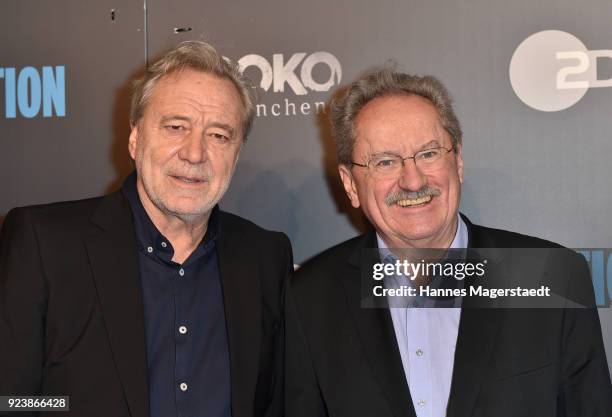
(241,297)
(114,262)
(477,331)
(375,329)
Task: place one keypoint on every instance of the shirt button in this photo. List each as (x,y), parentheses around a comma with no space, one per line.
(181,272)
(182,330)
(421,403)
(150,249)
(164,244)
(183,386)
(419,352)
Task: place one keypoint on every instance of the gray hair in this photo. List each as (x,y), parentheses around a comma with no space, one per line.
(199,56)
(382,82)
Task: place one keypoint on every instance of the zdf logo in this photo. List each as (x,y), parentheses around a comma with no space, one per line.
(552,70)
(281,71)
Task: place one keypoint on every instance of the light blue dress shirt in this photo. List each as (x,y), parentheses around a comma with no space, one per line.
(426,338)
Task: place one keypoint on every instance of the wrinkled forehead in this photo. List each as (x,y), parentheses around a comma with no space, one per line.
(202,86)
(399,123)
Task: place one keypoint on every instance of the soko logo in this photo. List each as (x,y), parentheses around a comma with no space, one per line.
(552,70)
(297,74)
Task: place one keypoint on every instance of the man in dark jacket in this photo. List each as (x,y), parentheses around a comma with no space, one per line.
(151,301)
(399,151)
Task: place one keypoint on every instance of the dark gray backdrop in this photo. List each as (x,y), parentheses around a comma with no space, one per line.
(540,173)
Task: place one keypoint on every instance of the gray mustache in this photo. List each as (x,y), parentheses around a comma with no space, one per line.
(411,195)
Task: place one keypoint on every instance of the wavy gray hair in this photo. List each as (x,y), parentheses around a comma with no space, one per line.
(381,82)
(199,56)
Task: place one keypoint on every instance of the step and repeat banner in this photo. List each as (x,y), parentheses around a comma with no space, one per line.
(532,86)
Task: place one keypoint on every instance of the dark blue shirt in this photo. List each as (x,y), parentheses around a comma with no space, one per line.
(187,350)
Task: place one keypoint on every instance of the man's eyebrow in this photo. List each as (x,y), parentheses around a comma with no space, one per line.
(385,153)
(431,144)
(224,126)
(175,117)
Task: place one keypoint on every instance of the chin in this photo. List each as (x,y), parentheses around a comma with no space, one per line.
(416,232)
(416,237)
(193,210)
(186,207)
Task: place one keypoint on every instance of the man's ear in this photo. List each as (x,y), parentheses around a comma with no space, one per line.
(459,160)
(349,184)
(133,141)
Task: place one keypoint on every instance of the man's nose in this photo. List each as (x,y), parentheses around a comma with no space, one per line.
(411,176)
(193,149)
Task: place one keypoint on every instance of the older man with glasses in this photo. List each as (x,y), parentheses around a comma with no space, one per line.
(400,161)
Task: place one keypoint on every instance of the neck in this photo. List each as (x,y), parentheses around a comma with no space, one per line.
(184,232)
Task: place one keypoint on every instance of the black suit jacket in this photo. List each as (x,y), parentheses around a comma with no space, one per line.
(343,361)
(71,312)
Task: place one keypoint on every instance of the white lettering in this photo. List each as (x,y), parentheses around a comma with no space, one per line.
(321,58)
(262,64)
(289,105)
(280,72)
(602,53)
(580,68)
(261,108)
(284,73)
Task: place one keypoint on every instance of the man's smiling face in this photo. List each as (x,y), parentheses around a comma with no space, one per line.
(404,125)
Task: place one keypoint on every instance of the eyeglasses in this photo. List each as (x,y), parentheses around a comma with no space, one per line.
(390,166)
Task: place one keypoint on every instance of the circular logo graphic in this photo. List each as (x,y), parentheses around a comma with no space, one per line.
(534,68)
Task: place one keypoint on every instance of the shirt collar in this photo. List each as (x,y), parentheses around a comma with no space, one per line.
(147,235)
(460,241)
